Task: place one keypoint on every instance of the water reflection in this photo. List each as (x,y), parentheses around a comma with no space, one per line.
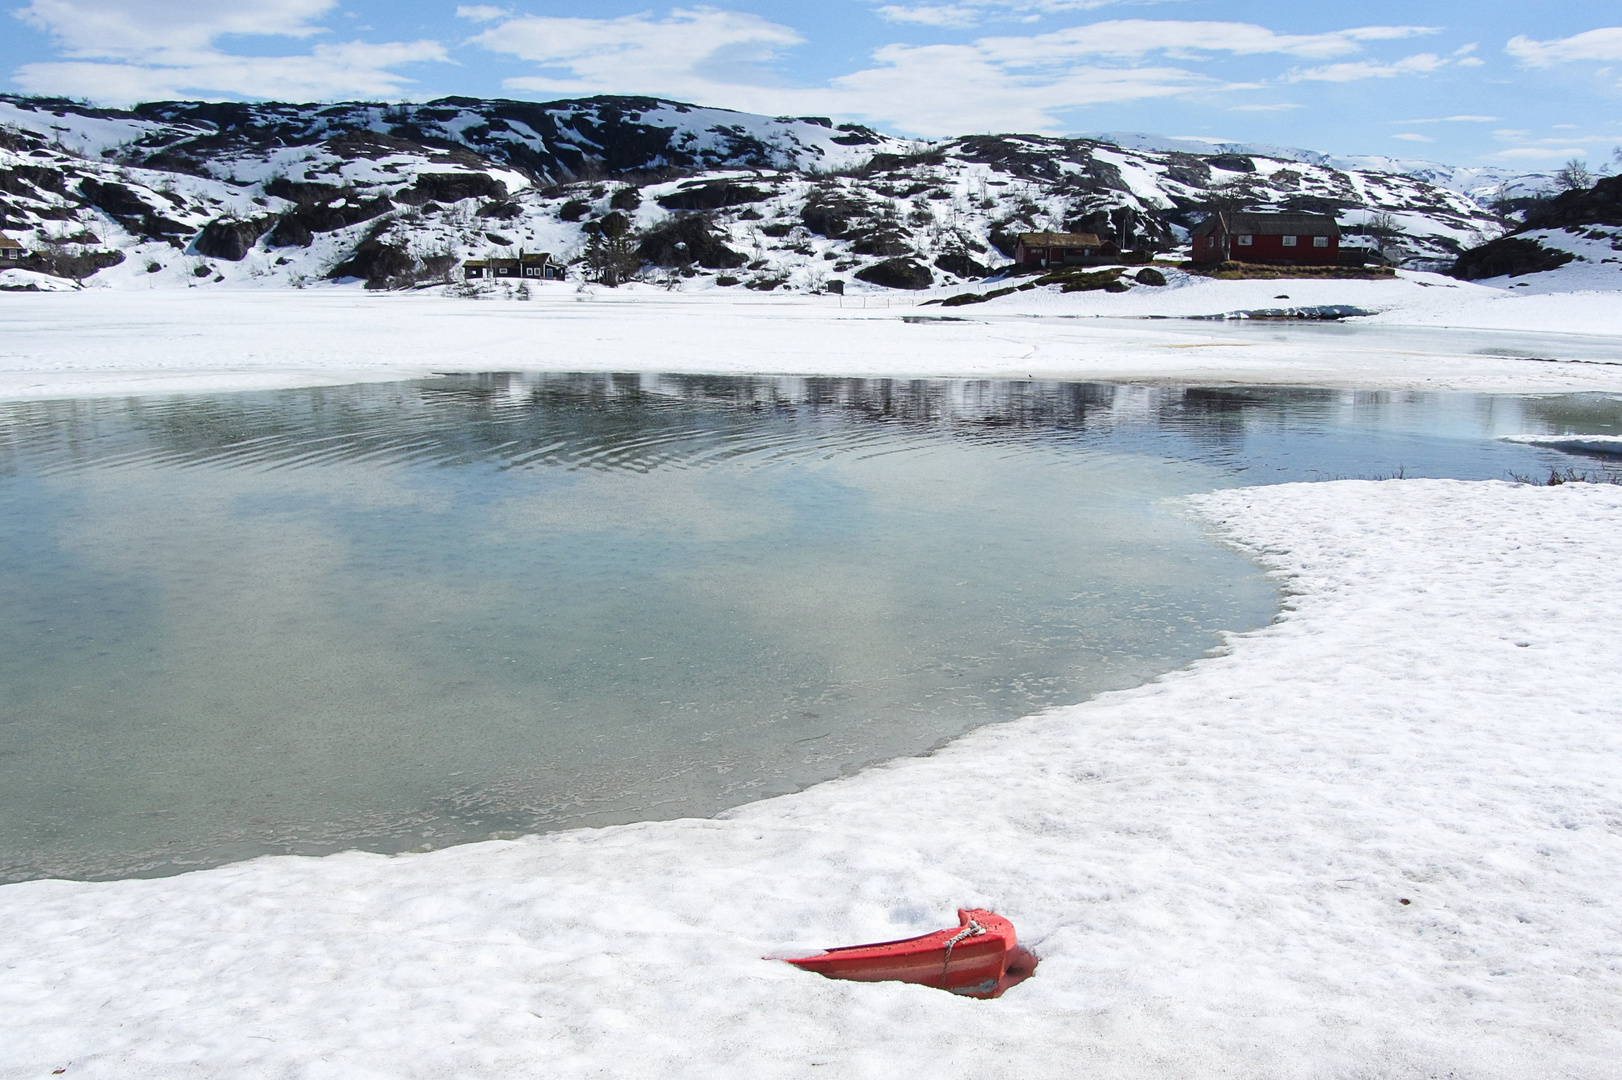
(413,614)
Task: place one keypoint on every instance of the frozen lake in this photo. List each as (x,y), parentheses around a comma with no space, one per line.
(403,615)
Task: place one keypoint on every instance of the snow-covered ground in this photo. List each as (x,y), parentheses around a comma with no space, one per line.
(1427,332)
(1379,838)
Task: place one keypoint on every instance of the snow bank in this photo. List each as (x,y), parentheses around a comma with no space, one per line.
(1213,868)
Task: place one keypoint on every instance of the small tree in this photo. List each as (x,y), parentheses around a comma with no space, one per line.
(611,250)
(1385,230)
(1574,176)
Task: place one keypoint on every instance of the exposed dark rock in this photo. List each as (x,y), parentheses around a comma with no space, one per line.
(688,240)
(856,135)
(886,240)
(500,211)
(302,191)
(626,198)
(832,213)
(1003,239)
(291,231)
(130,210)
(777,229)
(1149,276)
(1598,205)
(712,196)
(24,179)
(296,228)
(1513,255)
(377,262)
(76,265)
(574,210)
(897,274)
(230,239)
(116,200)
(959,263)
(497,239)
(452,187)
(1231,163)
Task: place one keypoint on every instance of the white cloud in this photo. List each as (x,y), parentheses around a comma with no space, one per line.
(1602,44)
(131,50)
(1413,136)
(1282,107)
(969,12)
(1472,61)
(690,53)
(481,12)
(1001,83)
(122,28)
(945,15)
(1460,119)
(1419,64)
(326,73)
(1131,38)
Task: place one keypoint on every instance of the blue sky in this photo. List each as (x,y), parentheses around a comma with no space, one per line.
(1518,84)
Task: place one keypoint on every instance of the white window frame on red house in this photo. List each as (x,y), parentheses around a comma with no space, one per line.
(1320,241)
(1289,241)
(1246,240)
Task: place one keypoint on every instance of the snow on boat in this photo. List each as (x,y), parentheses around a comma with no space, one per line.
(980,958)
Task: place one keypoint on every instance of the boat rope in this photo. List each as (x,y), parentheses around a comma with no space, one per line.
(973,929)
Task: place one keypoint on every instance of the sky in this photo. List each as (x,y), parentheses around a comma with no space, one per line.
(1486,82)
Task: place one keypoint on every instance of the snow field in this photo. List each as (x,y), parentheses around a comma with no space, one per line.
(1211,867)
(102,342)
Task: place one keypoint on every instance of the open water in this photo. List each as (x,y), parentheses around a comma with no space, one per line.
(402,616)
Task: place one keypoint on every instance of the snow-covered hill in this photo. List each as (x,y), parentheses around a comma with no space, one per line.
(193,194)
(1483,184)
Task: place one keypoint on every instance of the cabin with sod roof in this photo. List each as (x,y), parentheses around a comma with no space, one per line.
(1044,249)
(10,250)
(1285,239)
(534,267)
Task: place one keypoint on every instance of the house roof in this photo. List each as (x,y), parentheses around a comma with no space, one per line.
(1264,224)
(8,242)
(1060,239)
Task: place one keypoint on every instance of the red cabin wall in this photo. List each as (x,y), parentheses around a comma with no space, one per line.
(1265,248)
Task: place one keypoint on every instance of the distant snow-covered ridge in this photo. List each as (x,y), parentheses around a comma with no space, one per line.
(1483,184)
(197,194)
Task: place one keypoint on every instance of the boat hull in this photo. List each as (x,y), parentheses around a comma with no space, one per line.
(979,958)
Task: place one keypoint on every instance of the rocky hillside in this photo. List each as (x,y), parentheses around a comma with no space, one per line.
(177,194)
(1580,230)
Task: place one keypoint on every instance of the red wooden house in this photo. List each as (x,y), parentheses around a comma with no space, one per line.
(1288,239)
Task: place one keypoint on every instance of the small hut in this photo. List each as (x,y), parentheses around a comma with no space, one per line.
(540,266)
(1042,249)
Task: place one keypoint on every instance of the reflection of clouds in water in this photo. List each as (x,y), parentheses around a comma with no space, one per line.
(697,506)
(276,658)
(662,614)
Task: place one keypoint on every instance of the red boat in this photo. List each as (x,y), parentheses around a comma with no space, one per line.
(980,958)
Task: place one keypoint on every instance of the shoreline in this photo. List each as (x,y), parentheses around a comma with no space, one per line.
(1210,866)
